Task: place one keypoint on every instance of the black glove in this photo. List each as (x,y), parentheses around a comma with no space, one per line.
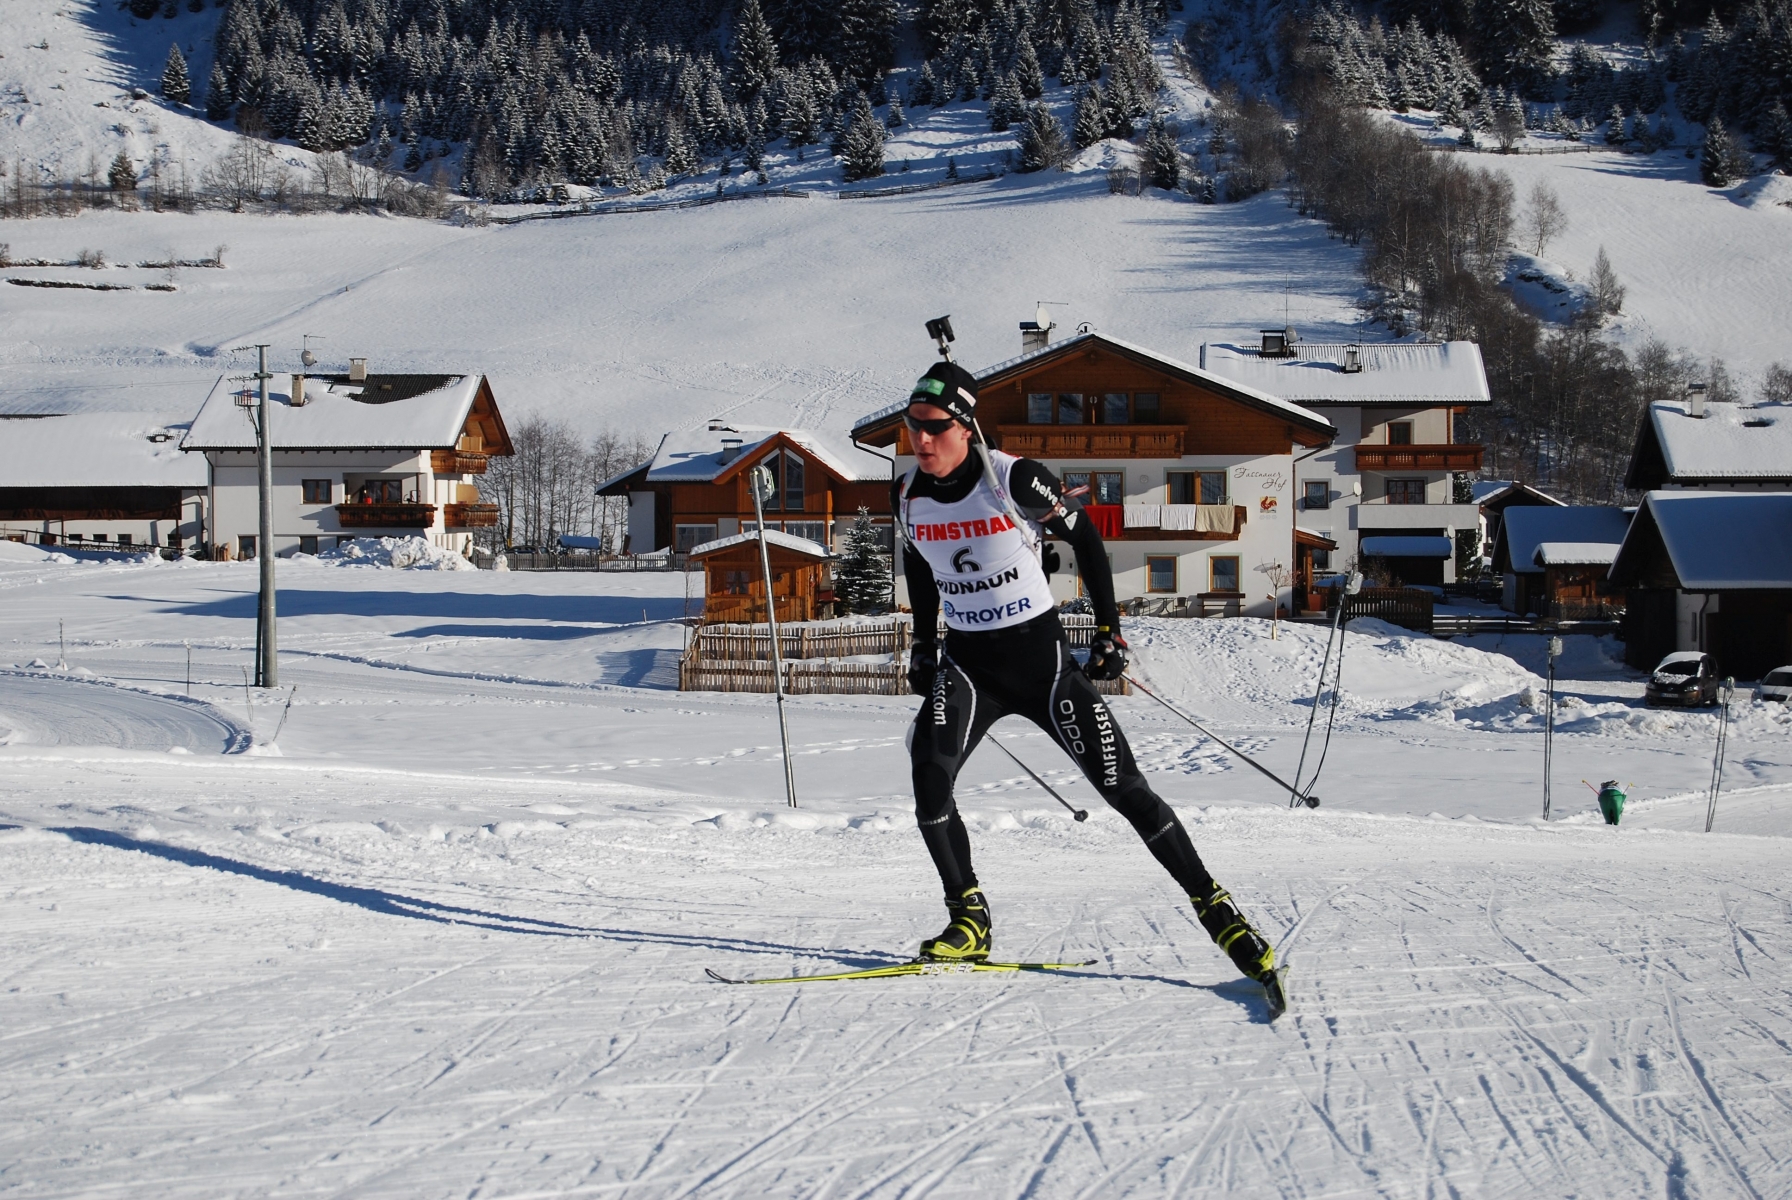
(923,665)
(1107,654)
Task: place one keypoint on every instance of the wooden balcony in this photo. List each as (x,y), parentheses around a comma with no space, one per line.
(471,516)
(457,462)
(386,516)
(1418,458)
(1091,441)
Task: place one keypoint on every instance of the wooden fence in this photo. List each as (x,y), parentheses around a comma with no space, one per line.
(909,189)
(737,658)
(600,209)
(1408,608)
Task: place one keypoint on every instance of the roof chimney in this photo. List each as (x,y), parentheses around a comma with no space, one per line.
(1695,400)
(1037,333)
(730,449)
(1278,343)
(357,370)
(297,395)
(1353,360)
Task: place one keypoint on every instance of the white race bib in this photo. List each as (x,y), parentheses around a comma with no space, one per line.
(985,567)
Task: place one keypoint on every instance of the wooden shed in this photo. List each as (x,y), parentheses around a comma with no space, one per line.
(734,578)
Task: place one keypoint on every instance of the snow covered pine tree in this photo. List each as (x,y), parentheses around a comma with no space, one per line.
(176,88)
(862,580)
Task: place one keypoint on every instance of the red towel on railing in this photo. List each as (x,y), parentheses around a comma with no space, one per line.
(1109,519)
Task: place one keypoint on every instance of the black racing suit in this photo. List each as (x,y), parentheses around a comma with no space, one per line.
(1025,670)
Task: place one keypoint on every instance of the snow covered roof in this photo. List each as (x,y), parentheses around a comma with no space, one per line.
(773,537)
(1732,442)
(696,455)
(1714,540)
(885,418)
(1392,373)
(1574,554)
(97,449)
(1503,495)
(1526,528)
(398,412)
(1397,546)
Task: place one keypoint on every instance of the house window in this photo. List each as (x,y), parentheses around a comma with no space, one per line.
(316,491)
(380,491)
(815,531)
(1322,559)
(1039,408)
(1223,573)
(343,539)
(787,482)
(1070,408)
(1197,487)
(1075,481)
(1399,433)
(1316,493)
(124,539)
(98,537)
(307,543)
(245,546)
(1105,488)
(1406,491)
(793,482)
(1114,409)
(736,583)
(687,537)
(1160,573)
(1144,408)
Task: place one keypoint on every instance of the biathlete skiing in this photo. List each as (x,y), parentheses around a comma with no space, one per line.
(973,522)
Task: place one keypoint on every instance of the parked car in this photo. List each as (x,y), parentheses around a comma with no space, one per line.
(1684,678)
(1776,685)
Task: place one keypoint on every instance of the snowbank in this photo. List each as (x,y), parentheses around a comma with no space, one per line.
(20,552)
(413,552)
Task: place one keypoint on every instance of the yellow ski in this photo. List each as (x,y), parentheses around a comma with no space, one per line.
(917,967)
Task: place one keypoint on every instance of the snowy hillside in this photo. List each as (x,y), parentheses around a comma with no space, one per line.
(448,933)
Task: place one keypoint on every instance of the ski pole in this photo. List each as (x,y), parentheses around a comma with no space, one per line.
(1079,813)
(1311,801)
(1717,760)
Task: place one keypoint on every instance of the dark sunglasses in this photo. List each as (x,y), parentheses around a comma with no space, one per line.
(932,428)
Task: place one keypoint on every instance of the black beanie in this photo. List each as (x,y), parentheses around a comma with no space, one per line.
(949,386)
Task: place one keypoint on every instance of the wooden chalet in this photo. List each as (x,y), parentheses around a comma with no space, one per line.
(1710,571)
(1189,475)
(354,455)
(693,491)
(1552,559)
(734,578)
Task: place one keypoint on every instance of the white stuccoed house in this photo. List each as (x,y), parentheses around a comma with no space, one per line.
(354,455)
(1387,478)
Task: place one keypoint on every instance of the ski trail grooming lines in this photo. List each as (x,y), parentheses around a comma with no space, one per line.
(1079,813)
(1311,801)
(917,967)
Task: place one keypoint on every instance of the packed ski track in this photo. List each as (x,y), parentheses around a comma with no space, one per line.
(448,934)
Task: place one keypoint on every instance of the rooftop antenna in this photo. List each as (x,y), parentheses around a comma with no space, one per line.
(306,356)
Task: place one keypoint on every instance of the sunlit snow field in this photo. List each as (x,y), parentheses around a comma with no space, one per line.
(446,935)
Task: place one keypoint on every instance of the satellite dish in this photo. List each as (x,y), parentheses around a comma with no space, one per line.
(308,358)
(1041,317)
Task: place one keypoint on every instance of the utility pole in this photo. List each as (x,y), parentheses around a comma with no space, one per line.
(267,669)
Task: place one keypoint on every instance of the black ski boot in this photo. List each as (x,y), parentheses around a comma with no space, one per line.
(1254,957)
(968,936)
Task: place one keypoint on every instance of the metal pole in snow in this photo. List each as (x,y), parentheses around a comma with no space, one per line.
(761,484)
(1717,761)
(267,671)
(1549,721)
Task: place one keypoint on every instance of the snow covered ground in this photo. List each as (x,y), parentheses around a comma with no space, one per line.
(447,936)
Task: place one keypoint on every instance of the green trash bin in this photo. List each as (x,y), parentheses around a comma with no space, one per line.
(1611,801)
